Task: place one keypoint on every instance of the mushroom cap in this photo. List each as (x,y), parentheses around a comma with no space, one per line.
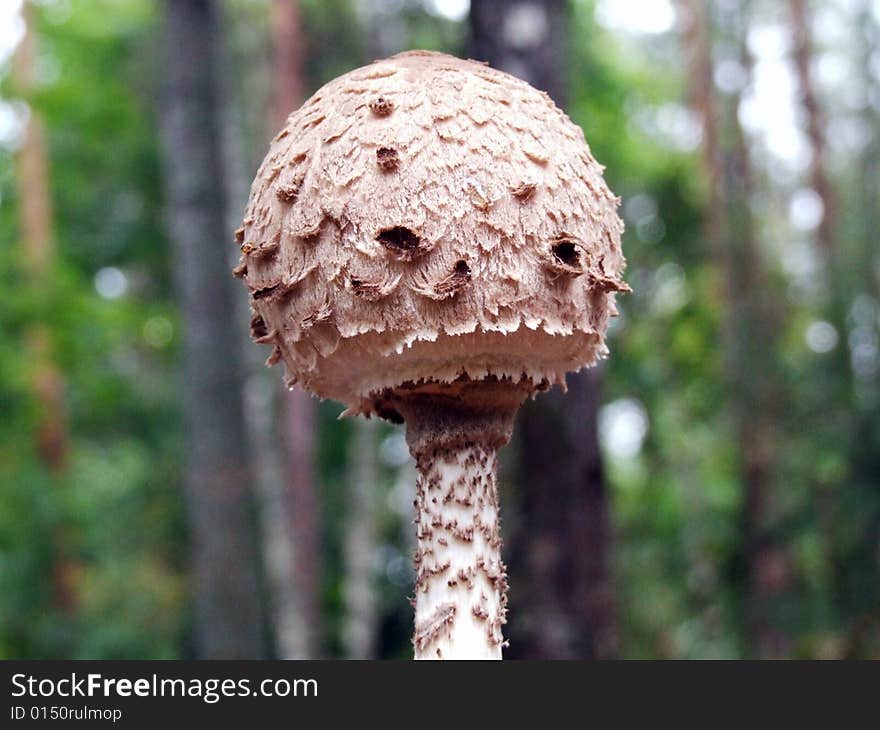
(426,219)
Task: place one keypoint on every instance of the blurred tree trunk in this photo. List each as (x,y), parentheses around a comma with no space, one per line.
(838,279)
(35,221)
(870,167)
(299,408)
(697,48)
(224,550)
(750,318)
(854,265)
(246,93)
(562,591)
(526,38)
(756,389)
(288,58)
(864,633)
(565,540)
(803,61)
(361,620)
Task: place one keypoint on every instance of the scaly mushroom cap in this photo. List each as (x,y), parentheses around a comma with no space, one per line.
(428,219)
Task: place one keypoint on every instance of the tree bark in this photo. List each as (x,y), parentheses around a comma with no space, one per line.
(225,560)
(561,565)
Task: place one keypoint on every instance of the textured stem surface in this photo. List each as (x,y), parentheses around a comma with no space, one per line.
(461,582)
(460,596)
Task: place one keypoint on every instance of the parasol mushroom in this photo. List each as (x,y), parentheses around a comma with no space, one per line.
(429,240)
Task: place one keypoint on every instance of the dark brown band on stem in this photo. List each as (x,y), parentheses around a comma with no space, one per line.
(445,417)
(454,431)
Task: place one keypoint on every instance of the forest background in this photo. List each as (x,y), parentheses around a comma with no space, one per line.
(712,490)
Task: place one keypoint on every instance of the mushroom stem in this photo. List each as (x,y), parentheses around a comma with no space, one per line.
(454,434)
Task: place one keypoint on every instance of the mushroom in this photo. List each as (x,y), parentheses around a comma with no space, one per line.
(450,250)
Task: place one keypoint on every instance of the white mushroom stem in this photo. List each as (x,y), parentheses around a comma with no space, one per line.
(459,598)
(461,582)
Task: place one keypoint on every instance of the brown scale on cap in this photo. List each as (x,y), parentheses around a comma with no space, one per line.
(381,107)
(499,234)
(387,158)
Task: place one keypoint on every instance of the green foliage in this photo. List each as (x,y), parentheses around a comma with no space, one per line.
(114,511)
